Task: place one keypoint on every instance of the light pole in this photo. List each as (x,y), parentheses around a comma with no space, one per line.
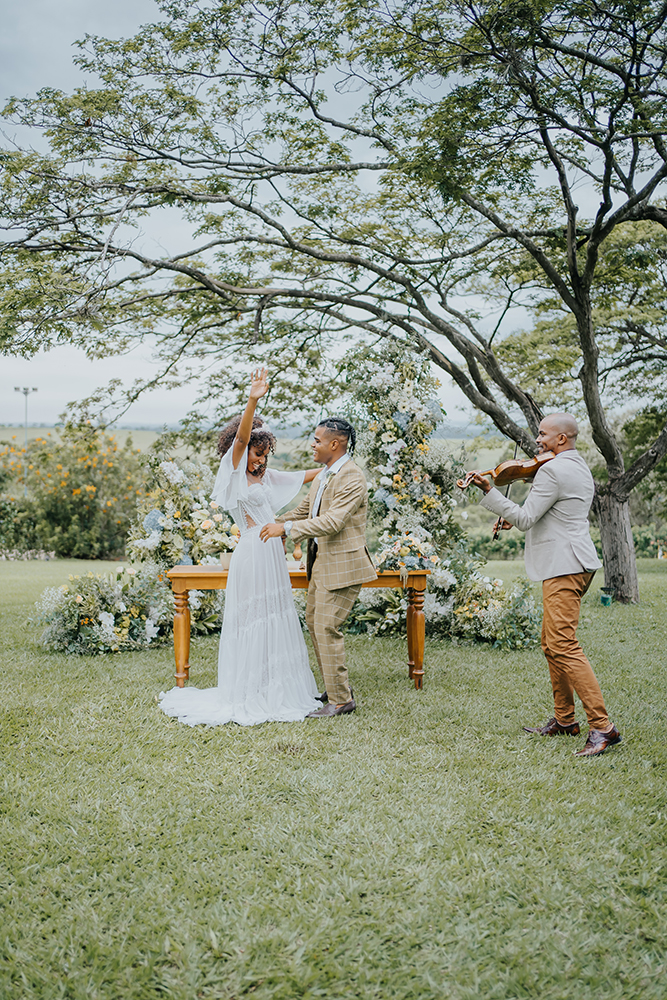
(26,393)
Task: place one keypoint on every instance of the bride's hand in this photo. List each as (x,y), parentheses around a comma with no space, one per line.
(259,385)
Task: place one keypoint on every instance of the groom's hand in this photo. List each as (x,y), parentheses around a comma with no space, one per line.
(272,531)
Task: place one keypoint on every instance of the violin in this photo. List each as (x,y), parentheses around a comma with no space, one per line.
(513,471)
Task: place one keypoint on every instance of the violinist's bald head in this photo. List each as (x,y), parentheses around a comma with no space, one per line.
(558,432)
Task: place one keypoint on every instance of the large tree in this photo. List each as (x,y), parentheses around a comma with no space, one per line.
(397,170)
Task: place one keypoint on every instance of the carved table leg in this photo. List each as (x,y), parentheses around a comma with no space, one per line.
(182,637)
(409,626)
(418,631)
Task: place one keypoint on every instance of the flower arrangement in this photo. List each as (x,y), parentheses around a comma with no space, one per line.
(177,522)
(412,476)
(97,613)
(132,609)
(412,485)
(409,550)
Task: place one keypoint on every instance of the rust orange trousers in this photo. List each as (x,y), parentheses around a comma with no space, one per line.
(569,668)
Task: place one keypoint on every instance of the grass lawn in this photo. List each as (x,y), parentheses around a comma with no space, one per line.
(422,848)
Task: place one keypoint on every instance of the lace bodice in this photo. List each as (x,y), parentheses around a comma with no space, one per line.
(255,508)
(256,503)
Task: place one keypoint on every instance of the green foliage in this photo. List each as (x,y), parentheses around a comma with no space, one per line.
(629,314)
(650,500)
(650,542)
(82,489)
(18,528)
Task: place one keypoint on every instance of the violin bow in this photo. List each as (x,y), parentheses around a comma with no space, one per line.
(496,527)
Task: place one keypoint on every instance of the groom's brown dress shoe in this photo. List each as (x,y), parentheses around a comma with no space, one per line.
(329,709)
(598,742)
(553,728)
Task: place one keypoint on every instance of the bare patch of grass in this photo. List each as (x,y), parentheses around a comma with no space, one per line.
(422,848)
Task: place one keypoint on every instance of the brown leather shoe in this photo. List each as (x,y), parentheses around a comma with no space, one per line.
(598,742)
(329,709)
(553,728)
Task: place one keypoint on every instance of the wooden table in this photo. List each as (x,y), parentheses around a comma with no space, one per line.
(187,578)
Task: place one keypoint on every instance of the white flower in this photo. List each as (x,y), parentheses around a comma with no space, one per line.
(151,629)
(120,569)
(172,473)
(214,505)
(131,571)
(149,543)
(464,515)
(79,599)
(385,481)
(207,523)
(217,517)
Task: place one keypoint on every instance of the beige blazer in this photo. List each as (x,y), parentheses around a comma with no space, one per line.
(340,528)
(554,517)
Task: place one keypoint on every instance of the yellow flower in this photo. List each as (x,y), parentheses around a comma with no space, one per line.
(207,523)
(79,599)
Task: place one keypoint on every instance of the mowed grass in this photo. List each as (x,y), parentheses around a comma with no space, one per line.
(422,848)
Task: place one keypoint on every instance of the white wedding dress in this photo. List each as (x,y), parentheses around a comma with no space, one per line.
(263,671)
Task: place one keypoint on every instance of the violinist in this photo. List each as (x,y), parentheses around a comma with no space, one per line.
(560,553)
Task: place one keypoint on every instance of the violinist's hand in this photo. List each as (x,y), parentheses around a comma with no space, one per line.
(502,525)
(482,482)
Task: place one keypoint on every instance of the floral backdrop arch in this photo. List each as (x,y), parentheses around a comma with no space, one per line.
(392,398)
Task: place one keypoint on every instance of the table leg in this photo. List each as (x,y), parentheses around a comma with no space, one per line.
(418,633)
(409,626)
(182,637)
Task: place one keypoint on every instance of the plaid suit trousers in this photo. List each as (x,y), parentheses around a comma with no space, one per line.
(326,611)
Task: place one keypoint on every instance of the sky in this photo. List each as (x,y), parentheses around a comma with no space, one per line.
(36,50)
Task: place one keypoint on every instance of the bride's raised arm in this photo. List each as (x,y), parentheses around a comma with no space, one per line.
(310,474)
(259,387)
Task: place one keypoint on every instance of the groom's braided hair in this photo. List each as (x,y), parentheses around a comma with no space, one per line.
(340,427)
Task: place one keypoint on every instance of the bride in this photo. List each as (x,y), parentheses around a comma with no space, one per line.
(263,671)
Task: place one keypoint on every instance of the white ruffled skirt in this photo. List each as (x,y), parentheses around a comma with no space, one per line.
(263,670)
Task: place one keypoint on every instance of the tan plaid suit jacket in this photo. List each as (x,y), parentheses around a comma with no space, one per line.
(340,528)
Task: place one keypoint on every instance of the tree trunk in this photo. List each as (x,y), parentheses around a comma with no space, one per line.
(618,547)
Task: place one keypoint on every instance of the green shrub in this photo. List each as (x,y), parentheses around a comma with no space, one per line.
(82,493)
(18,526)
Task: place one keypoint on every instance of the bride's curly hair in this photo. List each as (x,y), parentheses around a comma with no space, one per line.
(261,438)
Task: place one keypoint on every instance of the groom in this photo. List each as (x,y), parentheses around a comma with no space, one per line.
(333,519)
